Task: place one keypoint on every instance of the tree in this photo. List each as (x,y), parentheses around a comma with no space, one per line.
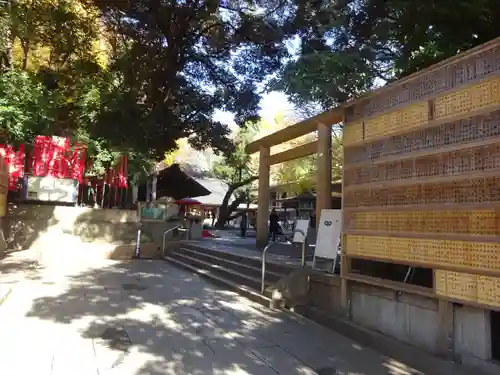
(6,39)
(53,84)
(238,171)
(170,65)
(348,46)
(297,176)
(52,34)
(178,62)
(26,109)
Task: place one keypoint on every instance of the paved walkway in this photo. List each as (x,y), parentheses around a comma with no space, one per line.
(230,239)
(99,317)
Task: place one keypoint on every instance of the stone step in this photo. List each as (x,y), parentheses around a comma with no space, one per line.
(240,265)
(221,279)
(255,261)
(226,272)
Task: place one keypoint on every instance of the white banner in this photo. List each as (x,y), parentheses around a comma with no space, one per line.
(329,230)
(300,230)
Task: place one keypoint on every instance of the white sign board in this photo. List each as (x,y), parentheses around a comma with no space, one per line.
(300,231)
(330,228)
(52,189)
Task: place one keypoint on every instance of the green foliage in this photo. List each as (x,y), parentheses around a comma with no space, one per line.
(337,156)
(174,78)
(5,39)
(348,46)
(237,168)
(66,29)
(26,108)
(169,67)
(299,176)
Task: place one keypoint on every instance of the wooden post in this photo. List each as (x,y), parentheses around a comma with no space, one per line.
(263,199)
(345,262)
(324,172)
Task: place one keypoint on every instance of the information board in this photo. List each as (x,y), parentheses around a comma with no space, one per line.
(51,189)
(300,230)
(152,212)
(328,238)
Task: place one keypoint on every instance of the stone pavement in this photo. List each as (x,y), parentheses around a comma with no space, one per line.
(230,239)
(146,317)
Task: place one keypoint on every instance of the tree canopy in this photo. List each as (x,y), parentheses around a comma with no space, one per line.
(299,175)
(137,76)
(238,170)
(348,46)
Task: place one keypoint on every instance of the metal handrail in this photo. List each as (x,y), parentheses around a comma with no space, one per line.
(164,237)
(304,245)
(264,252)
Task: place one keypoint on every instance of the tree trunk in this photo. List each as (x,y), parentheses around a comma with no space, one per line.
(226,215)
(26,49)
(225,208)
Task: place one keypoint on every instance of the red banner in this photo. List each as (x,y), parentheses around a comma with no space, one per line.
(52,156)
(123,183)
(117,176)
(78,162)
(15,164)
(58,159)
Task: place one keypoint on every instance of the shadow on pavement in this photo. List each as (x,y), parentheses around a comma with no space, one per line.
(149,318)
(14,264)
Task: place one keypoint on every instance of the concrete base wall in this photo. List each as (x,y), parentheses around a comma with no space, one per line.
(324,291)
(155,231)
(39,226)
(409,318)
(472,337)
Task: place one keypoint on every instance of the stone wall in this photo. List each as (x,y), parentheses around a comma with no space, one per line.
(39,226)
(409,318)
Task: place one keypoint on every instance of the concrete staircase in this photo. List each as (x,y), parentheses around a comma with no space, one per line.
(285,284)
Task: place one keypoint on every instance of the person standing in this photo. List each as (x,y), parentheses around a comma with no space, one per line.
(273,224)
(243,225)
(214,215)
(313,219)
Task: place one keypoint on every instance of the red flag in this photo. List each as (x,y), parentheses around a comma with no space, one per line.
(124,172)
(42,156)
(14,162)
(77,165)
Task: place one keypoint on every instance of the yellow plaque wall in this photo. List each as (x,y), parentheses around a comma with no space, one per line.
(422,177)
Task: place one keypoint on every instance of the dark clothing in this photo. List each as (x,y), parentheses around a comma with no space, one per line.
(273,225)
(243,225)
(273,219)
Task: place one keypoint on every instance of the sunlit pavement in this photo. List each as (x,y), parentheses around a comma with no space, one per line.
(147,317)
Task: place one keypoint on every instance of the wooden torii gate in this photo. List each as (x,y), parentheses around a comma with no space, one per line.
(321,123)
